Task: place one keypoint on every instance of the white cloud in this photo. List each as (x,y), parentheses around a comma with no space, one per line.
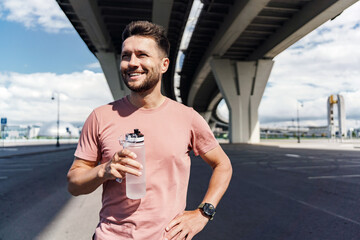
(35,13)
(26,98)
(95,65)
(324,62)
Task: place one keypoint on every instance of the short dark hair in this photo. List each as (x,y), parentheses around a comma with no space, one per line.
(148,29)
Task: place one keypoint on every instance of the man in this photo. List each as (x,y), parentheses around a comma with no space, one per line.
(171,131)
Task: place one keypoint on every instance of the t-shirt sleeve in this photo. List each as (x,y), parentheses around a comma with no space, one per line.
(202,138)
(88,147)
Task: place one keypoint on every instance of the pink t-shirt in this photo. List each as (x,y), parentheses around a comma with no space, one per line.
(171,132)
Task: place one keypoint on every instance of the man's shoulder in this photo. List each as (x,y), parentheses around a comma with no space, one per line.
(180,106)
(112,106)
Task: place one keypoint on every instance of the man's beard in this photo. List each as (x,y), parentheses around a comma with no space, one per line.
(149,83)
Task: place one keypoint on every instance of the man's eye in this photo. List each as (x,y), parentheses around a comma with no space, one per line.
(124,56)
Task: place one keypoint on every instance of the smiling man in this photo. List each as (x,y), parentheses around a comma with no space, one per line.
(141,73)
(171,131)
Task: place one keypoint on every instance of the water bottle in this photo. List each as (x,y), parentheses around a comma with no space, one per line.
(136,185)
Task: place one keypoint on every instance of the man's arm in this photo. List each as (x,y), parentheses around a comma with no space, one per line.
(86,176)
(190,223)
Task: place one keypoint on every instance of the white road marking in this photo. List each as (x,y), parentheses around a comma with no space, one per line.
(16,170)
(8,149)
(292,155)
(8,161)
(305,203)
(318,167)
(267,162)
(295,161)
(23,164)
(332,177)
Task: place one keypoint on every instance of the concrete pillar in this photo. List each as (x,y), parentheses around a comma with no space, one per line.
(242,85)
(212,126)
(110,66)
(206,115)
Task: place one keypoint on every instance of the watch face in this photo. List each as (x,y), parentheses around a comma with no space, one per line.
(209,209)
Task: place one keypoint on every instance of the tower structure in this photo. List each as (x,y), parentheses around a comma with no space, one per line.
(339,101)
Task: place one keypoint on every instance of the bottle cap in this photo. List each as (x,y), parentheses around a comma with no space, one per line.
(136,137)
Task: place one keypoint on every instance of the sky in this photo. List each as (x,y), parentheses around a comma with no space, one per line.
(323,63)
(41,54)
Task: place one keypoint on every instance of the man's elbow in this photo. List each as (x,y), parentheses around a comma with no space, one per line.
(226,168)
(229,169)
(73,188)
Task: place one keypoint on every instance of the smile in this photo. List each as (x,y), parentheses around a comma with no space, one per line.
(134,74)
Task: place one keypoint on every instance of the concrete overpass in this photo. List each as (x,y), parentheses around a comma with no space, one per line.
(230,53)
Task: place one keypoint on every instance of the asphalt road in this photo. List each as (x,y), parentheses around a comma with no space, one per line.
(275,194)
(287,194)
(32,192)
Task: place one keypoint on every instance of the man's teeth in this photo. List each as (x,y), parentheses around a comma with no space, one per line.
(134,74)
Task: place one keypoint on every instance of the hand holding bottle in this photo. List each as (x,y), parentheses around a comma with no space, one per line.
(122,163)
(136,184)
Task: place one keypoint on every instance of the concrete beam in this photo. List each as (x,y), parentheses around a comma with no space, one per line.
(214,102)
(161,12)
(311,16)
(240,16)
(208,114)
(89,16)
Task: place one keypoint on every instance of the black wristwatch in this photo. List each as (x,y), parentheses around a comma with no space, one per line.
(208,209)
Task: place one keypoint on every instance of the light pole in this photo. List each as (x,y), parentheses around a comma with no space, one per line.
(58,117)
(298,121)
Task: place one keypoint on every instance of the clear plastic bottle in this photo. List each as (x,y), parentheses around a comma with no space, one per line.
(136,185)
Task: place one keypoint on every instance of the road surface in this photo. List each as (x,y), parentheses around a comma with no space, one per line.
(275,193)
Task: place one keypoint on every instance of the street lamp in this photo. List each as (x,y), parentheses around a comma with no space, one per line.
(58,117)
(298,121)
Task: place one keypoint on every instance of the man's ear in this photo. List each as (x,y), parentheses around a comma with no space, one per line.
(165,65)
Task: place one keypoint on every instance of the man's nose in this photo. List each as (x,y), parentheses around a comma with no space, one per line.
(134,61)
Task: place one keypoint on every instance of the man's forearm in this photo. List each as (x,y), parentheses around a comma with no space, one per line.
(219,182)
(86,176)
(84,180)
(189,223)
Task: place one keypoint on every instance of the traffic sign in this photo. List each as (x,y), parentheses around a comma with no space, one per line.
(3,121)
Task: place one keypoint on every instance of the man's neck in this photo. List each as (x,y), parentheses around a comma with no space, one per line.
(146,100)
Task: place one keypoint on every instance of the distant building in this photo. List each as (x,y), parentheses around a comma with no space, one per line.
(33,131)
(20,131)
(66,130)
(354,133)
(320,131)
(310,132)
(340,102)
(282,132)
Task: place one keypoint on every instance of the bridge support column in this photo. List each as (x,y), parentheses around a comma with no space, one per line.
(206,115)
(242,84)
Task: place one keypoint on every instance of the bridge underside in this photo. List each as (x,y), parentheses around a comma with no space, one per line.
(242,36)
